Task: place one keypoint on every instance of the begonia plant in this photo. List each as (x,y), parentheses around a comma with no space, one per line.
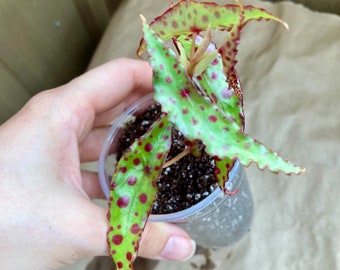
(200,94)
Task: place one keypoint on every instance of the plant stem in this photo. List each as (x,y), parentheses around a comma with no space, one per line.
(178,157)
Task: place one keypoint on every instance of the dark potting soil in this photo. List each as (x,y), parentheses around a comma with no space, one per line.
(182,184)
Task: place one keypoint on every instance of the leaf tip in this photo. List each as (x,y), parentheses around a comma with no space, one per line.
(142,18)
(285,25)
(302,170)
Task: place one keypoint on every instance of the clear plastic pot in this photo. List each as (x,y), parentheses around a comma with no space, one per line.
(219,220)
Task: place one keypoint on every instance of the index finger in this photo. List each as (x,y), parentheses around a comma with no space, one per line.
(106,86)
(101,89)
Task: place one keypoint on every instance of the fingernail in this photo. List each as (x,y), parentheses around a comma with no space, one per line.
(179,248)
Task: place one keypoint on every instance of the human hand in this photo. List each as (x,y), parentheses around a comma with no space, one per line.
(47,218)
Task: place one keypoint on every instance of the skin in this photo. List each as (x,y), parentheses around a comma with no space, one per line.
(47,215)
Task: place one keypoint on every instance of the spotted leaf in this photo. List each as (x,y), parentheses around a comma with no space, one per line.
(199,118)
(189,16)
(130,203)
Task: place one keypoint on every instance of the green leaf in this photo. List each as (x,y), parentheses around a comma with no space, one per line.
(188,16)
(133,191)
(222,169)
(198,118)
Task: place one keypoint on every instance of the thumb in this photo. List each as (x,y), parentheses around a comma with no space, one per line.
(161,241)
(165,241)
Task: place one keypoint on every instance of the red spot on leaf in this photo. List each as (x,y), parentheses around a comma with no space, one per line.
(135,228)
(212,118)
(185,111)
(159,155)
(131,180)
(168,79)
(217,14)
(148,147)
(214,62)
(185,92)
(204,18)
(129,256)
(119,265)
(123,201)
(113,186)
(174,24)
(117,239)
(136,161)
(147,170)
(143,198)
(213,76)
(227,58)
(123,169)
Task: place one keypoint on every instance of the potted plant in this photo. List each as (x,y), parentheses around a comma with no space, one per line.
(200,95)
(188,193)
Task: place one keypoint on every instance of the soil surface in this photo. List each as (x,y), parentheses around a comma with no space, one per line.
(182,184)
